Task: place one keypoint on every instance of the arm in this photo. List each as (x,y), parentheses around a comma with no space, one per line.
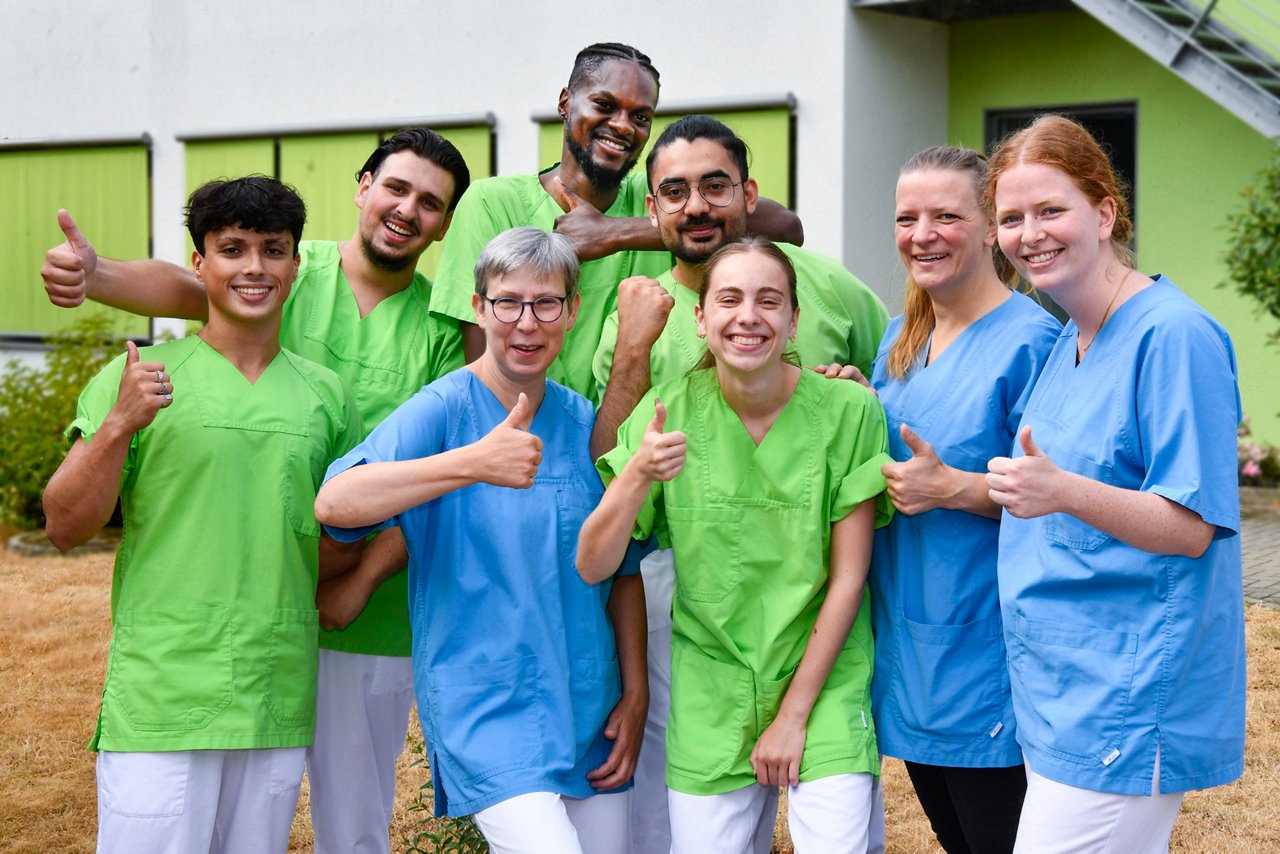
(925,483)
(777,754)
(1032,486)
(342,598)
(472,341)
(625,726)
(73,271)
(372,493)
(604,536)
(82,493)
(337,557)
(643,308)
(776,222)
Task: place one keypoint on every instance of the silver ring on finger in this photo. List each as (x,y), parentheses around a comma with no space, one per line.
(160,377)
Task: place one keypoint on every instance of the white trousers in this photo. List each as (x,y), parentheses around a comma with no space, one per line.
(650,824)
(827,816)
(192,801)
(1061,819)
(362,716)
(547,823)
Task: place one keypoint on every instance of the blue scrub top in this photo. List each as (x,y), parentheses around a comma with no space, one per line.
(941,688)
(513,654)
(1115,652)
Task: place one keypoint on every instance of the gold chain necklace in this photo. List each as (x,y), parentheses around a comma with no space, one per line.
(1084,348)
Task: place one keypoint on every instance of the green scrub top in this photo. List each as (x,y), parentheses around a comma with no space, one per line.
(213,596)
(385,357)
(493,205)
(751,530)
(841,320)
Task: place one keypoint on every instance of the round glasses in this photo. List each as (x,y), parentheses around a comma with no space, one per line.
(672,198)
(510,310)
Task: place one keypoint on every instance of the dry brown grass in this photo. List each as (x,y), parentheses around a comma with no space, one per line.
(53,637)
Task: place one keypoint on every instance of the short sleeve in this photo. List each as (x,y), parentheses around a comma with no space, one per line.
(352,427)
(1038,331)
(93,406)
(445,338)
(1188,402)
(630,435)
(476,221)
(859,459)
(869,318)
(414,430)
(602,364)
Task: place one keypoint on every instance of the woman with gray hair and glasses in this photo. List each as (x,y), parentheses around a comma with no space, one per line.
(487,472)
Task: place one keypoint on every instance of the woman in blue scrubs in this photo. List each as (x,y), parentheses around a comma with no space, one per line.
(953,372)
(488,473)
(1119,562)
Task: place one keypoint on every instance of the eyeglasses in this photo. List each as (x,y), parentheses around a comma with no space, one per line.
(510,310)
(672,198)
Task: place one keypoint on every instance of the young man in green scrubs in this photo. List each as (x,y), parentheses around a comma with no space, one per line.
(215,445)
(360,309)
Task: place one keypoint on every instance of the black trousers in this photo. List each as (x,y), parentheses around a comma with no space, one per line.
(971,809)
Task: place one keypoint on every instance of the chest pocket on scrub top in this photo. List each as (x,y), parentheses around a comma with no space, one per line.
(708,547)
(1065,529)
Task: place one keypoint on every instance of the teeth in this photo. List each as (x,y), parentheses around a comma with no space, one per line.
(1041,257)
(398,229)
(930,257)
(616,146)
(252,292)
(747,340)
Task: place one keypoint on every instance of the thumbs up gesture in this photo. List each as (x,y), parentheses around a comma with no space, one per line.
(661,455)
(1026,486)
(69,267)
(509,454)
(589,230)
(922,482)
(145,389)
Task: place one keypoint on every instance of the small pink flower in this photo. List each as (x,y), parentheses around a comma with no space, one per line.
(1251,469)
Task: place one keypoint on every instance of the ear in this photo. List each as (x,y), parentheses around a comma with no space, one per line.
(1106,218)
(751,193)
(573,312)
(196,261)
(652,207)
(562,104)
(700,320)
(989,239)
(362,191)
(477,305)
(444,226)
(795,322)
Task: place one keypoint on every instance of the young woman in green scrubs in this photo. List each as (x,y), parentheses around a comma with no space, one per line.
(766,481)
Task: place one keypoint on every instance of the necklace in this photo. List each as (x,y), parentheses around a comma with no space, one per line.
(1084,348)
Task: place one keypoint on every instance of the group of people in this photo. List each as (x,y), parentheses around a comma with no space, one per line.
(687,519)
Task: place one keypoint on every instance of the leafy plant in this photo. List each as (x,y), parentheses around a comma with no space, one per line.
(1259,462)
(1253,261)
(452,835)
(36,405)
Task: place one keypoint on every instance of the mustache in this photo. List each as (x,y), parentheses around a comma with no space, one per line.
(699,221)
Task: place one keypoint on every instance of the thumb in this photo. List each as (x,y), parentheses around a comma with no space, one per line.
(131,352)
(1029,447)
(570,197)
(516,417)
(659,417)
(68,226)
(914,442)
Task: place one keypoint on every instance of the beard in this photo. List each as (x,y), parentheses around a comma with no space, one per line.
(383,261)
(697,253)
(600,177)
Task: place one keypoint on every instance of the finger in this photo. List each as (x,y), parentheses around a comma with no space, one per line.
(659,417)
(913,441)
(570,198)
(131,352)
(516,416)
(1029,446)
(69,228)
(793,773)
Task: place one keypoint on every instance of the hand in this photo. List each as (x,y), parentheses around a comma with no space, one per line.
(588,229)
(625,728)
(69,267)
(1026,486)
(661,455)
(837,371)
(342,598)
(777,754)
(643,308)
(921,483)
(509,454)
(145,389)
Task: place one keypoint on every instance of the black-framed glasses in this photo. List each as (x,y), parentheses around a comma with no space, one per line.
(672,198)
(510,310)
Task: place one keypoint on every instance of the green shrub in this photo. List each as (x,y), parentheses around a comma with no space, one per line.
(1253,259)
(36,405)
(452,835)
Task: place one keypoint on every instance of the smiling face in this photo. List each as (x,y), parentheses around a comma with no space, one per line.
(1054,235)
(522,351)
(944,237)
(247,274)
(608,117)
(696,231)
(403,210)
(747,315)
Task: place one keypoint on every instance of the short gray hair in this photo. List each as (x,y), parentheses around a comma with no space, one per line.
(545,255)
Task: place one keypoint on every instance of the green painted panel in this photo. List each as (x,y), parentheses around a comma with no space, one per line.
(106,189)
(1258,21)
(474,144)
(766,132)
(1193,157)
(323,169)
(232,158)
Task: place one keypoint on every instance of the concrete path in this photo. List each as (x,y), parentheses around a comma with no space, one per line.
(1260,542)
